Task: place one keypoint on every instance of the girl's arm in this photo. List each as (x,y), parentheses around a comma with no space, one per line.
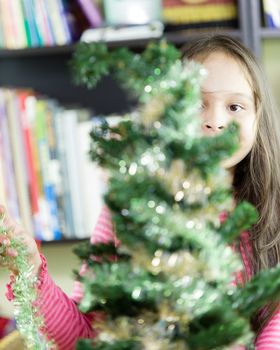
(63,321)
(269,338)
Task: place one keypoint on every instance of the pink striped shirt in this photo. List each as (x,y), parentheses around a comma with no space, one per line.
(64,323)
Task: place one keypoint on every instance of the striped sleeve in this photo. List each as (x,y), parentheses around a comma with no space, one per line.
(63,322)
(269,338)
(103,233)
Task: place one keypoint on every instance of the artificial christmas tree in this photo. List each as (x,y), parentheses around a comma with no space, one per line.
(168,285)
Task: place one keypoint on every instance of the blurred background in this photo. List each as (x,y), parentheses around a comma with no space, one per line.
(47,180)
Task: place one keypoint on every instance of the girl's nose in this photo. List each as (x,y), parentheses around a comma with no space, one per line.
(214,119)
(212,127)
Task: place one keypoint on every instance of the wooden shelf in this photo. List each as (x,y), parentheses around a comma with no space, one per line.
(270,33)
(37,51)
(64,241)
(177,38)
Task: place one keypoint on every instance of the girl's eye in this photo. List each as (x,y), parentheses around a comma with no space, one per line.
(235,108)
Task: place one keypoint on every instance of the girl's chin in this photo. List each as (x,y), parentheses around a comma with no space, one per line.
(231,162)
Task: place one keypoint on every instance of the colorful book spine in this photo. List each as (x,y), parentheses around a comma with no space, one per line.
(8,166)
(19,158)
(7,24)
(181,12)
(65,20)
(271,9)
(47,179)
(70,124)
(93,184)
(43,23)
(61,147)
(91,12)
(18,23)
(52,230)
(55,166)
(3,175)
(25,120)
(33,36)
(2,34)
(58,22)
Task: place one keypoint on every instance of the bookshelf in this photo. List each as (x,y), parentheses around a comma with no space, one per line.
(46,69)
(31,66)
(258,30)
(269,33)
(177,38)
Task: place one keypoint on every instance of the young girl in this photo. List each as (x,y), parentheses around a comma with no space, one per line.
(234,89)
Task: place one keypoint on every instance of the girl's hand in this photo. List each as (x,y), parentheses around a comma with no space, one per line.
(16,231)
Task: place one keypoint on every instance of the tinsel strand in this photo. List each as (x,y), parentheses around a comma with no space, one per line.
(29,321)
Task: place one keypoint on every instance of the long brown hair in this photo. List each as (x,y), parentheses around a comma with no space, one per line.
(257,177)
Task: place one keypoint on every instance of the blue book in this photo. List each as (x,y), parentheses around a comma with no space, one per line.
(32,32)
(52,229)
(271,10)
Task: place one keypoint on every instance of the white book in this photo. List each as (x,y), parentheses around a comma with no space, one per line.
(69,118)
(8,165)
(63,187)
(145,31)
(92,181)
(61,34)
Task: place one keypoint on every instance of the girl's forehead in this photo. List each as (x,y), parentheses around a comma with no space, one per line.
(225,74)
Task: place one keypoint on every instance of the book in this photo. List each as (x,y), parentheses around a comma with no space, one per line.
(127,12)
(51,230)
(69,123)
(182,12)
(41,221)
(43,23)
(19,159)
(54,165)
(271,11)
(145,31)
(3,184)
(8,166)
(76,18)
(7,24)
(56,15)
(26,120)
(93,185)
(2,34)
(69,229)
(31,29)
(18,23)
(91,12)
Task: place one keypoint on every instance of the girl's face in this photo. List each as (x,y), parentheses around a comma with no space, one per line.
(227,96)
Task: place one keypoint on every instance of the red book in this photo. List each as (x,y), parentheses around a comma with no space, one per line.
(33,187)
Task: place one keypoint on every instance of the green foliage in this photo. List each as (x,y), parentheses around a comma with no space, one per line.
(113,296)
(264,286)
(243,217)
(169,283)
(93,61)
(90,63)
(120,345)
